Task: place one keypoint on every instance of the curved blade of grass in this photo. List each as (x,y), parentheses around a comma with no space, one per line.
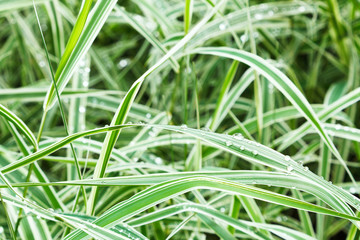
(334,108)
(19,124)
(243,226)
(53,147)
(284,84)
(164,191)
(263,155)
(80,44)
(244,177)
(124,232)
(124,107)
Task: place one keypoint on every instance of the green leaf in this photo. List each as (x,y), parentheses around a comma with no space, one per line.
(284,84)
(79,45)
(19,124)
(162,192)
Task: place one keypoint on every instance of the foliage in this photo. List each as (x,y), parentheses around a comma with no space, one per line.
(189,119)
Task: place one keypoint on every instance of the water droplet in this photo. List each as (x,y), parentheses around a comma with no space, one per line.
(148,115)
(136,159)
(42,64)
(258,16)
(270,13)
(158,161)
(338,127)
(152,134)
(183,126)
(289,168)
(222,26)
(222,209)
(44,27)
(238,136)
(352,190)
(271,88)
(228,143)
(302,9)
(306,168)
(138,18)
(86,84)
(87,69)
(255,152)
(287,158)
(243,38)
(123,63)
(82,109)
(242,148)
(278,219)
(206,129)
(150,25)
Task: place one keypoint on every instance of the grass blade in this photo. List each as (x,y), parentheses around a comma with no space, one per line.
(11,117)
(285,85)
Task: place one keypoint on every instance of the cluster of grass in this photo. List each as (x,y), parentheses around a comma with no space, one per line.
(168,119)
